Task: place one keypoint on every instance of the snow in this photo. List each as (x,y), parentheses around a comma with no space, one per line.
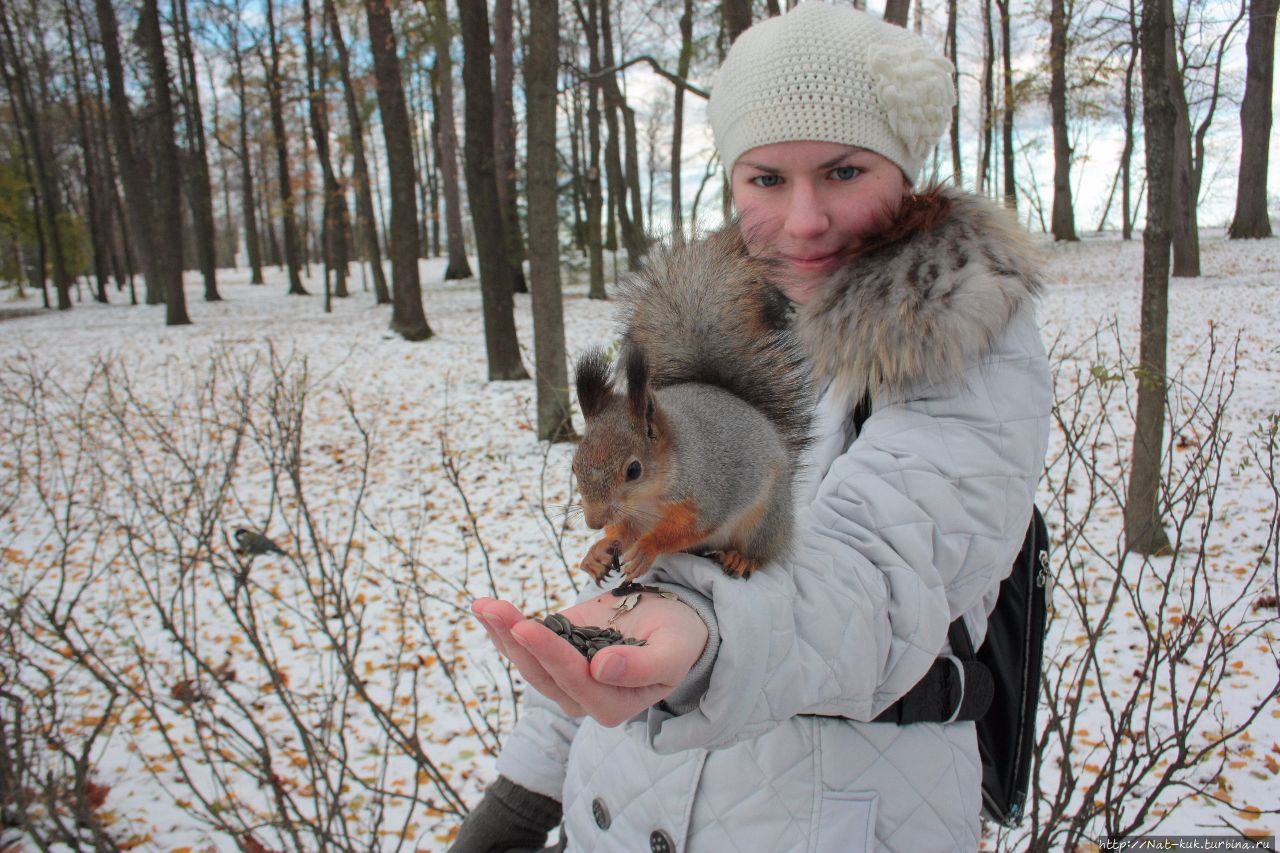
(417,551)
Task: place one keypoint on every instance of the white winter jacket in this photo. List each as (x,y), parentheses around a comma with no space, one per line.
(766,748)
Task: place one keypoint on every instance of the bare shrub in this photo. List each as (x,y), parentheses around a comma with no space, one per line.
(1141,703)
(285,701)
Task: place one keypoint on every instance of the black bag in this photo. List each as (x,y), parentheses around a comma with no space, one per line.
(998,686)
(1013,652)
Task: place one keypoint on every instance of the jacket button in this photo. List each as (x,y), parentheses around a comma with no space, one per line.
(660,842)
(600,813)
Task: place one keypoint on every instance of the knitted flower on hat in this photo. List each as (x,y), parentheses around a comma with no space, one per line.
(831,73)
(914,86)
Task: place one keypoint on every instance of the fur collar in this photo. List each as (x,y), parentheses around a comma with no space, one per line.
(918,309)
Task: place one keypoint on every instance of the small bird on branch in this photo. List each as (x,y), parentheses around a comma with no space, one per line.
(253,543)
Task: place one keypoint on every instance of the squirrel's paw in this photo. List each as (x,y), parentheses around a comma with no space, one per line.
(600,558)
(735,564)
(636,561)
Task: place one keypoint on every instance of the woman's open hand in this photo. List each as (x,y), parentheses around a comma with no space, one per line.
(620,681)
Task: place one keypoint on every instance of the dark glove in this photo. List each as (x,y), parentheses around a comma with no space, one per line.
(508,817)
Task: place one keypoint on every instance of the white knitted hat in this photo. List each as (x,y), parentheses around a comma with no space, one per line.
(832,74)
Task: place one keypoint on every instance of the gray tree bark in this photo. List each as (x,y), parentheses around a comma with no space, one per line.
(408,318)
(595,195)
(624,178)
(504,138)
(1006,112)
(332,238)
(1126,156)
(99,232)
(541,67)
(1143,530)
(737,17)
(895,12)
(249,206)
(446,128)
(986,135)
(41,159)
(677,117)
(368,221)
(496,286)
(1064,220)
(1186,230)
(1251,219)
(952,54)
(167,225)
(289,221)
(196,159)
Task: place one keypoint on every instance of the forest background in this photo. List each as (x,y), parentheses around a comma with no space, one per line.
(225,160)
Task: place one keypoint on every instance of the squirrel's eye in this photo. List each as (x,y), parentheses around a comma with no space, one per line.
(633,470)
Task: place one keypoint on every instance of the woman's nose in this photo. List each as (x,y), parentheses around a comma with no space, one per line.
(806,216)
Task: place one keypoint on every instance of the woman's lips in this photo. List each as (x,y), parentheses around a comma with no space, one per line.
(814,264)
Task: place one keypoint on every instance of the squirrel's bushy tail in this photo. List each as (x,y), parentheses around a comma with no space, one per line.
(706,311)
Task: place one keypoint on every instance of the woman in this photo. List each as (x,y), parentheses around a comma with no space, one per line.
(744,724)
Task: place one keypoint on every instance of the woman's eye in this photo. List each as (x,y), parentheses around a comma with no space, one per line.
(766,181)
(845,173)
(633,471)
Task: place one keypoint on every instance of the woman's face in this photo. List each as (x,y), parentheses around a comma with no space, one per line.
(809,204)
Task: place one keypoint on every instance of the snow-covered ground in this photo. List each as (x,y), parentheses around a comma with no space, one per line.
(155,401)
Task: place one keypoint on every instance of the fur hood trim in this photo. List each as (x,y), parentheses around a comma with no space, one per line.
(917,310)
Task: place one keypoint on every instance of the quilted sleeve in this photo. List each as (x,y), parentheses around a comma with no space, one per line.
(536,752)
(909,527)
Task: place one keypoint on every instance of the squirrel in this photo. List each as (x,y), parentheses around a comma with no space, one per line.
(701,451)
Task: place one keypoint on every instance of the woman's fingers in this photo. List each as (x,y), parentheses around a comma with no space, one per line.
(620,681)
(498,618)
(654,664)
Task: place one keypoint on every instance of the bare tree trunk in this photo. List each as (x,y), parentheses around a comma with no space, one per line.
(167,227)
(41,158)
(98,220)
(1006,54)
(433,177)
(1251,219)
(987,134)
(595,200)
(253,244)
(1126,156)
(199,184)
(1143,530)
(677,117)
(737,17)
(624,184)
(895,12)
(227,243)
(953,55)
(137,197)
(1186,231)
(360,165)
(541,66)
(577,139)
(1064,220)
(504,138)
(332,238)
(292,249)
(446,127)
(496,286)
(418,97)
(117,233)
(407,315)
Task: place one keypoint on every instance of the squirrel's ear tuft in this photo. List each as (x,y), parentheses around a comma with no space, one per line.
(594,383)
(637,368)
